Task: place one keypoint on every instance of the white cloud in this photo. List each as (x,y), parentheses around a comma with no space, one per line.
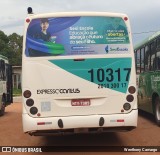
(144,14)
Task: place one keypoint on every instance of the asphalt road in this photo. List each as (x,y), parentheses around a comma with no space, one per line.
(11,134)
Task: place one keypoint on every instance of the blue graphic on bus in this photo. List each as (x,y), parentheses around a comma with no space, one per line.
(74,35)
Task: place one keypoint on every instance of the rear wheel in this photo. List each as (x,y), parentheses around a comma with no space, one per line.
(157,110)
(2,108)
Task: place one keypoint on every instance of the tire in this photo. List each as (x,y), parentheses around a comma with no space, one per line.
(2,109)
(157,110)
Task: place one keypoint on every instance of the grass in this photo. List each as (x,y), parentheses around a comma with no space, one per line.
(17,92)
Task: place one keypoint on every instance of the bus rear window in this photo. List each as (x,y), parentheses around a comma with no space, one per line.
(76,36)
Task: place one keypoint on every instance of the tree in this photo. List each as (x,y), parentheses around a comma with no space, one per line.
(3,41)
(11,47)
(15,44)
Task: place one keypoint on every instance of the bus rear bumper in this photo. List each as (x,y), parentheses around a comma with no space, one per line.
(78,124)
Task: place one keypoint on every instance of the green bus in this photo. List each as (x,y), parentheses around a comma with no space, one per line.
(5,84)
(147,57)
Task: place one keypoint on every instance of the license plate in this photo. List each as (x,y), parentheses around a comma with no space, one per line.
(80,102)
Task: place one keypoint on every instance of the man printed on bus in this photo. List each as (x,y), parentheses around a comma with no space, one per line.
(44,34)
(40,38)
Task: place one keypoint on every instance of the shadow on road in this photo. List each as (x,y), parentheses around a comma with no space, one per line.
(103,139)
(146,115)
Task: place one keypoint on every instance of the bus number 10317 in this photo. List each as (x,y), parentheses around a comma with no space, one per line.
(109,75)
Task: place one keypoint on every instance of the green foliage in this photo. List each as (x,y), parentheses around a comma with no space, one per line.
(11,47)
(17,92)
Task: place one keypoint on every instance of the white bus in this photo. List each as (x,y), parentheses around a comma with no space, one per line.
(5,84)
(78,73)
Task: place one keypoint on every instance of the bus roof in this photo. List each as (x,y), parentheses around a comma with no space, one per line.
(147,40)
(67,14)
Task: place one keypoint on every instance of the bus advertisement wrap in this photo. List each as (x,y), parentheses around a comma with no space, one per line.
(77,36)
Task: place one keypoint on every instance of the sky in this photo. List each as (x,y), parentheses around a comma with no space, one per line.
(144,15)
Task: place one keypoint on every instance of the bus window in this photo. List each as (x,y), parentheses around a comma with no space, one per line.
(65,36)
(148,57)
(138,61)
(153,55)
(142,61)
(135,55)
(158,58)
(158,41)
(2,70)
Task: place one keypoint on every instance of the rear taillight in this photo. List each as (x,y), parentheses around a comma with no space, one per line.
(131,89)
(130,98)
(33,110)
(30,102)
(125,18)
(127,106)
(28,20)
(27,93)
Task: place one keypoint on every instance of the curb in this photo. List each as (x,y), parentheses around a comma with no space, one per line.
(17,99)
